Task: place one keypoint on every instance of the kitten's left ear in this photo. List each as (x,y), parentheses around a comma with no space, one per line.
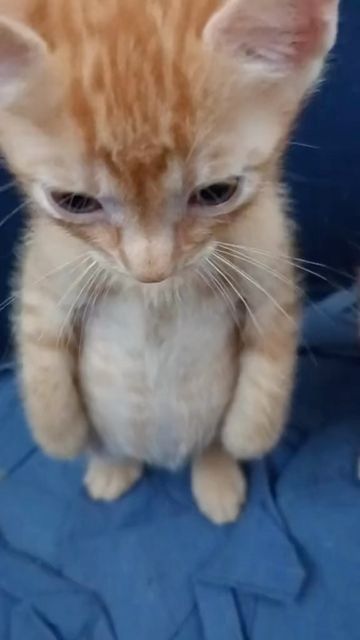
(275,38)
(23,58)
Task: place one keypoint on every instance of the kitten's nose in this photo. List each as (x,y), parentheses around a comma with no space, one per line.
(150,259)
(152,278)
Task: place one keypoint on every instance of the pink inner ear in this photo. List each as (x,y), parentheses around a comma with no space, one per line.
(17,52)
(279,33)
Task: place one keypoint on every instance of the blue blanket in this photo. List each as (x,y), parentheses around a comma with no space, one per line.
(151,567)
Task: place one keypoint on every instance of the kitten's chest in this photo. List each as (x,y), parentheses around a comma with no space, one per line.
(157,377)
(167,335)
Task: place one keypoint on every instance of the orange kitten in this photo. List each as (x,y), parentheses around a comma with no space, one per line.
(158,310)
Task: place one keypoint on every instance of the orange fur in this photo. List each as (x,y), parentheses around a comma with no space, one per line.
(139,104)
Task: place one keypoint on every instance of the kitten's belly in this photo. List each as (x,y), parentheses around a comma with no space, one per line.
(157,381)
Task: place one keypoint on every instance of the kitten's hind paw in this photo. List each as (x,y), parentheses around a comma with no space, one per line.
(219,486)
(107,481)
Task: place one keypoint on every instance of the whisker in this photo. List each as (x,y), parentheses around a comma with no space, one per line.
(12,213)
(221,290)
(78,281)
(237,292)
(257,263)
(209,283)
(75,263)
(74,302)
(7,186)
(292,260)
(240,247)
(259,287)
(8,301)
(271,254)
(276,275)
(97,286)
(225,294)
(294,143)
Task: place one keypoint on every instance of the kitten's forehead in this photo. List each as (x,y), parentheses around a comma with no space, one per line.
(169,183)
(136,82)
(137,94)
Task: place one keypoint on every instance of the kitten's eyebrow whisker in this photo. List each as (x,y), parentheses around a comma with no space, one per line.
(237,292)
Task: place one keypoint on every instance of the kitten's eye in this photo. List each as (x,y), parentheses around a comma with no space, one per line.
(76,203)
(215,194)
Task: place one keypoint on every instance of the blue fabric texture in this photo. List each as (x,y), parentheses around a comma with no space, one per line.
(150,566)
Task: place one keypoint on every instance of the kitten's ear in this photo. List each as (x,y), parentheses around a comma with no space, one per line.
(275,37)
(23,57)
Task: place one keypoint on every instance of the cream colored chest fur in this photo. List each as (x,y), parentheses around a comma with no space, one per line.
(157,377)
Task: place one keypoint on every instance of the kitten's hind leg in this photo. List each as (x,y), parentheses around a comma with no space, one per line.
(219,485)
(108,480)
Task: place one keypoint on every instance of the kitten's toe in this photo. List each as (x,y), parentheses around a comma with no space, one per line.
(219,488)
(108,481)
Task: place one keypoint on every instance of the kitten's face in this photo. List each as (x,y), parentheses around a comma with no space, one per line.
(147,128)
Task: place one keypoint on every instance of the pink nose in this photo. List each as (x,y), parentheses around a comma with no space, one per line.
(149,259)
(152,272)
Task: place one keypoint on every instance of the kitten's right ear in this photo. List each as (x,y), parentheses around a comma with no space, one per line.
(275,38)
(23,58)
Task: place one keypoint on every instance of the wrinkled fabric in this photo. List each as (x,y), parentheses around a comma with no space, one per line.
(150,566)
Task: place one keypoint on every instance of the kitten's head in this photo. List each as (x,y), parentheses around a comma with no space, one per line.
(148,128)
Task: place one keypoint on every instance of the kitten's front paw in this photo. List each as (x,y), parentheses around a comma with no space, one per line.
(108,481)
(219,488)
(64,443)
(247,441)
